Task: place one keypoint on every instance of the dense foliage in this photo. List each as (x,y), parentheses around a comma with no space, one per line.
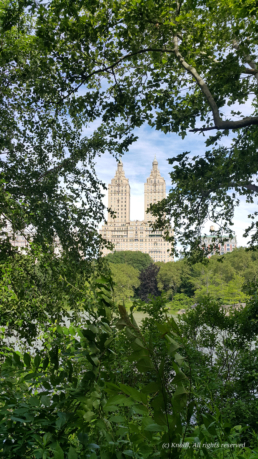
(105,387)
(79,378)
(126,280)
(137,259)
(148,283)
(179,66)
(222,278)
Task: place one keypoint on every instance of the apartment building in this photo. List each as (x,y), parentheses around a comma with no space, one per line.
(135,235)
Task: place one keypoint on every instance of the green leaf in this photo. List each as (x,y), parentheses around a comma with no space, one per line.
(30,376)
(72,453)
(129,334)
(174,326)
(102,280)
(108,341)
(159,402)
(151,387)
(45,363)
(34,401)
(54,357)
(45,400)
(145,365)
(180,391)
(134,393)
(120,324)
(108,313)
(119,400)
(160,418)
(163,328)
(118,419)
(179,359)
(14,418)
(47,438)
(36,360)
(112,387)
(155,428)
(59,329)
(16,358)
(83,438)
(62,419)
(138,355)
(128,452)
(89,334)
(138,345)
(179,378)
(26,358)
(141,409)
(88,416)
(93,360)
(180,397)
(58,452)
(173,345)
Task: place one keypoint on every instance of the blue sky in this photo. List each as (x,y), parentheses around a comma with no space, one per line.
(138,162)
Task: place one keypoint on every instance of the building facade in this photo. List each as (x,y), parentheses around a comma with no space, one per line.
(22,240)
(135,235)
(228,244)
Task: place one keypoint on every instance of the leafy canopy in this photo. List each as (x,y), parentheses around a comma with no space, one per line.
(178,66)
(126,280)
(138,260)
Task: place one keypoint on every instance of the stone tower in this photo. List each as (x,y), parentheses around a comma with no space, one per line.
(126,235)
(154,190)
(119,196)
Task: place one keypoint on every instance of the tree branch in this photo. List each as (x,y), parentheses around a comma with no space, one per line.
(249,121)
(249,60)
(201,83)
(56,168)
(249,71)
(249,186)
(127,56)
(219,123)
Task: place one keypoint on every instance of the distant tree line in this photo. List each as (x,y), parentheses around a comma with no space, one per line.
(135,275)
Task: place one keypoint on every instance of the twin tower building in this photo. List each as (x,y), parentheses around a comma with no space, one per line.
(135,235)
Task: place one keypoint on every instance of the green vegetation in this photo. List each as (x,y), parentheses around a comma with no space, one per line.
(79,379)
(126,280)
(104,387)
(184,284)
(165,64)
(148,283)
(137,260)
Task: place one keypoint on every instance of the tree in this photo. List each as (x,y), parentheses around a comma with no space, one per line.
(168,278)
(47,176)
(222,280)
(181,301)
(126,280)
(148,285)
(138,260)
(175,66)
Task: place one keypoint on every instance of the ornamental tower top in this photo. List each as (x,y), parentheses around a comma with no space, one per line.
(119,196)
(154,190)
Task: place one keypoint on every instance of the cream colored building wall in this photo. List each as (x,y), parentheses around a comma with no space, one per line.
(119,196)
(154,190)
(135,235)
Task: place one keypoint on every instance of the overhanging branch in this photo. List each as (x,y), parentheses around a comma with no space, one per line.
(250,121)
(249,186)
